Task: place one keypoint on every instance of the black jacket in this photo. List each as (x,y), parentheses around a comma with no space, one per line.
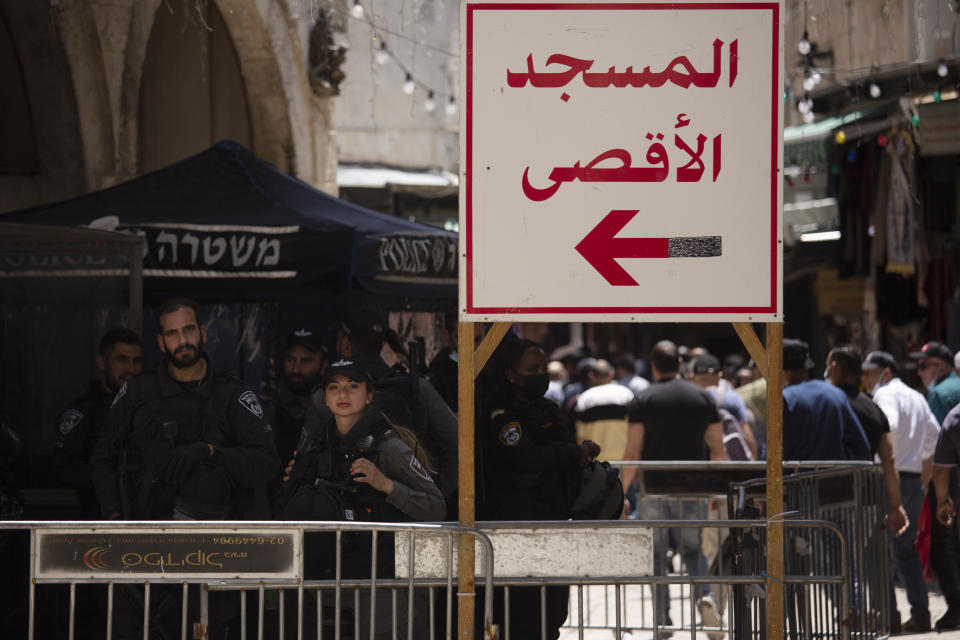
(530,460)
(154,409)
(78,428)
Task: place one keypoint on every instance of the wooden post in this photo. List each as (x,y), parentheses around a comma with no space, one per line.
(466,590)
(470,365)
(775,613)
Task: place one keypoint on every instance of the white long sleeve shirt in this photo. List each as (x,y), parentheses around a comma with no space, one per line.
(913,427)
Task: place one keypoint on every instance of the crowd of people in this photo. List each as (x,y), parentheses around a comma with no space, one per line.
(347,436)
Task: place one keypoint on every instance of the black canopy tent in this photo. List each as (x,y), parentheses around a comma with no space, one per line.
(225,226)
(262,252)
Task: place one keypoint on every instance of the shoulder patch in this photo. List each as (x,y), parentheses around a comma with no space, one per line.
(120,394)
(69,420)
(510,434)
(251,403)
(418,468)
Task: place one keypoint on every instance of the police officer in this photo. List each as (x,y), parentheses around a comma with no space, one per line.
(530,460)
(360,338)
(356,465)
(120,358)
(304,360)
(189,437)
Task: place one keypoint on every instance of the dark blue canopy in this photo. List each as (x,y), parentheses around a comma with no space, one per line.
(224,225)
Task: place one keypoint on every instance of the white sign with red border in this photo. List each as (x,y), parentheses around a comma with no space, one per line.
(621,161)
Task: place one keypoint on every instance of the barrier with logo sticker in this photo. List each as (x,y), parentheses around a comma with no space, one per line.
(167,554)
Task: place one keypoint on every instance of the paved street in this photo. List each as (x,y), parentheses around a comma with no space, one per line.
(639,612)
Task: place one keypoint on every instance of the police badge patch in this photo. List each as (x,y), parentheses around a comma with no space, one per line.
(120,394)
(251,403)
(418,468)
(510,434)
(69,420)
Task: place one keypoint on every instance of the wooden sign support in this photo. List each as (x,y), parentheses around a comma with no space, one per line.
(470,366)
(769,360)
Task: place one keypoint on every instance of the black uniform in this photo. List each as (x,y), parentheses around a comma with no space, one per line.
(284,412)
(156,422)
(530,460)
(420,409)
(323,490)
(78,429)
(443,373)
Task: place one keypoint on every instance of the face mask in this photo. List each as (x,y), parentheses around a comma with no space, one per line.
(535,385)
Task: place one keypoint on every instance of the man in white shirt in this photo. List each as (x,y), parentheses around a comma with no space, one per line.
(914,430)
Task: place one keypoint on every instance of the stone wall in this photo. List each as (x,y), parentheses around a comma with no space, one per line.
(82,64)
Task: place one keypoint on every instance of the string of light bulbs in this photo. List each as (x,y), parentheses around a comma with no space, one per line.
(813,76)
(384,54)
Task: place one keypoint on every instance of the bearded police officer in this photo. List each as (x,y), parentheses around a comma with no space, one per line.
(189,440)
(119,358)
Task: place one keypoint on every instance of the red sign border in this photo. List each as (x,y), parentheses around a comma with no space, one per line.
(773,7)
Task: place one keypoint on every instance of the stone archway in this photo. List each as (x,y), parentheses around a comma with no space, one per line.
(271,65)
(62,73)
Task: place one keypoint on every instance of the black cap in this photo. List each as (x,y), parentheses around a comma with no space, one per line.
(364,326)
(307,338)
(796,355)
(349,369)
(879,360)
(934,350)
(706,364)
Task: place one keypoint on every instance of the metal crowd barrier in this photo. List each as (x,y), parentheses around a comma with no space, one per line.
(824,583)
(605,606)
(678,491)
(851,495)
(158,574)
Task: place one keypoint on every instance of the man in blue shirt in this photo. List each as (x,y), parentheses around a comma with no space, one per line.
(935,366)
(818,423)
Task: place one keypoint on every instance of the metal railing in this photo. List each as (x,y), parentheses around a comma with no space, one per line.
(345,593)
(853,497)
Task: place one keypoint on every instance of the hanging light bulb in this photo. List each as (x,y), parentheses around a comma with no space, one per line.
(451,106)
(408,85)
(840,137)
(942,69)
(356,10)
(808,117)
(816,77)
(381,56)
(803,47)
(429,104)
(875,90)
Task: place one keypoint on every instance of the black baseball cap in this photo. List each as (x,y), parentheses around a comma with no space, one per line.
(307,338)
(796,355)
(706,363)
(934,350)
(349,369)
(364,326)
(879,360)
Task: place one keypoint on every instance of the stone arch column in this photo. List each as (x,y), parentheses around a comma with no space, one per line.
(272,62)
(78,32)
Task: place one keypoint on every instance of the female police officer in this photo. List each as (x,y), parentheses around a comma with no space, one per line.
(353,464)
(530,460)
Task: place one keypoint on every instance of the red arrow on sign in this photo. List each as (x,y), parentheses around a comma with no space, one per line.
(601,249)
